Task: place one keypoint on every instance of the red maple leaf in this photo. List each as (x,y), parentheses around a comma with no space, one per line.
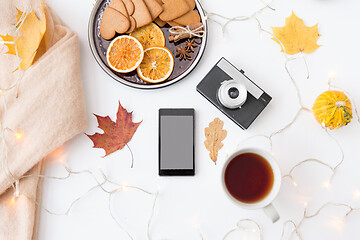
(116,134)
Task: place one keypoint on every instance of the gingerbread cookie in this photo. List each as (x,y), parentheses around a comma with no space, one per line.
(132,25)
(173,24)
(188,19)
(173,9)
(113,22)
(154,8)
(141,13)
(129,6)
(191,3)
(160,22)
(119,6)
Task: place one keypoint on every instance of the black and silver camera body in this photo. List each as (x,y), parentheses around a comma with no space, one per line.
(233,93)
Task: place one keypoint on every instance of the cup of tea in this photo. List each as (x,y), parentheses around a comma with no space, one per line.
(251,178)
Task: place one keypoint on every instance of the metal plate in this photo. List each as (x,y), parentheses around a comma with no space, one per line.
(98,47)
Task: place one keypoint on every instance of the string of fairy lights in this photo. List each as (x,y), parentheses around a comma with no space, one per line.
(18,135)
(301,109)
(116,187)
(239,227)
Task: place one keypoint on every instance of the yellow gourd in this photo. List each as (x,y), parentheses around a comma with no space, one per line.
(332,109)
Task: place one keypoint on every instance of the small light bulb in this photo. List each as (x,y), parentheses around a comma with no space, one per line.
(18,135)
(305,204)
(123,187)
(356,194)
(332,75)
(17,193)
(69,214)
(294,183)
(327,185)
(12,201)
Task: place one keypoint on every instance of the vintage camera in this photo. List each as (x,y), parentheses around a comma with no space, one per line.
(233,93)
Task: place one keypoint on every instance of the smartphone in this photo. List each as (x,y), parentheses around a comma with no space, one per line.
(176,142)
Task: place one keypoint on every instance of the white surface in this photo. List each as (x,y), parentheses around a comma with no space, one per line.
(186,201)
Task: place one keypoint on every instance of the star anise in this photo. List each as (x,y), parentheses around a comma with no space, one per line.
(190,45)
(182,53)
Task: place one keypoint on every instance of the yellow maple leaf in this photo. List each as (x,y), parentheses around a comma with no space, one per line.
(32,31)
(296,37)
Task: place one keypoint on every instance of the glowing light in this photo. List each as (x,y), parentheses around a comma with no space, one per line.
(356,194)
(57,153)
(124,187)
(332,74)
(272,152)
(69,214)
(305,204)
(327,185)
(18,135)
(294,183)
(337,223)
(12,201)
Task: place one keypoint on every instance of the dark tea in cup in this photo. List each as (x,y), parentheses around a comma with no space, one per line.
(249,177)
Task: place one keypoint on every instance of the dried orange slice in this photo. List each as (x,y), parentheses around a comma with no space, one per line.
(149,36)
(124,54)
(157,65)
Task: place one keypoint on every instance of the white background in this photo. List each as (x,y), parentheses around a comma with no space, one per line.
(186,202)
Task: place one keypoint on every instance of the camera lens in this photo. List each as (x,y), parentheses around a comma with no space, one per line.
(233,92)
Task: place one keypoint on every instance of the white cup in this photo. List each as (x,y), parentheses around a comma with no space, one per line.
(266,202)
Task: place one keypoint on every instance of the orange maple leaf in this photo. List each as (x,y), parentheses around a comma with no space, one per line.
(116,134)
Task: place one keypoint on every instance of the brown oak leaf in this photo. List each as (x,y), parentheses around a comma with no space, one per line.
(214,135)
(116,134)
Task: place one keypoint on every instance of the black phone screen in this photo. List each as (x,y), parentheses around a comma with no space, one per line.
(176,142)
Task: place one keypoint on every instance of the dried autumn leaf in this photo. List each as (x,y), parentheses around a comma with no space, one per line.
(116,134)
(32,31)
(8,12)
(214,135)
(296,37)
(28,5)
